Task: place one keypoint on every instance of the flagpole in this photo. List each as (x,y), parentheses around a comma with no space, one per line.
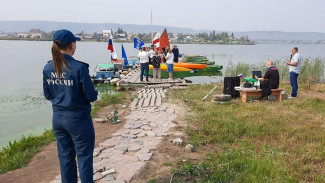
(151,29)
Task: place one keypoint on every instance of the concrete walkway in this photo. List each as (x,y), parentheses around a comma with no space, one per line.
(149,97)
(133,78)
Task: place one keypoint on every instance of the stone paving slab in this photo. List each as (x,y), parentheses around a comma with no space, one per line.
(140,102)
(158,101)
(134,103)
(146,102)
(153,99)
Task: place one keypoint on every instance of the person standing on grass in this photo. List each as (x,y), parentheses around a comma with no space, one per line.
(156,71)
(67,84)
(294,70)
(143,55)
(176,53)
(170,63)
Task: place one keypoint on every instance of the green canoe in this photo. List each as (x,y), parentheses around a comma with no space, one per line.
(198,59)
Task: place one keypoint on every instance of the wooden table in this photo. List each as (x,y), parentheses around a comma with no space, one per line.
(258,93)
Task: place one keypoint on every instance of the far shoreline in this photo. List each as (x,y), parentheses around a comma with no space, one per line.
(301,42)
(117,41)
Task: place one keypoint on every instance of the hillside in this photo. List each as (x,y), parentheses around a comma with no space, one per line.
(47,26)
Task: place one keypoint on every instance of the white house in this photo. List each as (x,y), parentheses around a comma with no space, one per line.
(107,33)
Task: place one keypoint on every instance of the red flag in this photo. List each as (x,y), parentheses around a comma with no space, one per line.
(164,41)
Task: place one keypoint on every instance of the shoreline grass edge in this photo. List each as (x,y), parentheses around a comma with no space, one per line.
(18,153)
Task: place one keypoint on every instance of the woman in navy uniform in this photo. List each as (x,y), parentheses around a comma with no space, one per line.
(67,84)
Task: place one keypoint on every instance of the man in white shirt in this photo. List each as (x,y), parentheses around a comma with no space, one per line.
(144,63)
(294,70)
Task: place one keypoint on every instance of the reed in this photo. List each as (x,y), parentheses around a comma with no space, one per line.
(312,71)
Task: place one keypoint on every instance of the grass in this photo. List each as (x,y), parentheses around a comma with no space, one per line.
(107,99)
(19,152)
(256,142)
(168,164)
(152,181)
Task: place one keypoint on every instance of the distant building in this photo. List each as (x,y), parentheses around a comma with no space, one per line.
(189,38)
(121,36)
(107,33)
(22,35)
(170,35)
(33,33)
(88,36)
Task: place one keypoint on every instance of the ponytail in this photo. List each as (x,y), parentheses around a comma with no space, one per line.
(58,59)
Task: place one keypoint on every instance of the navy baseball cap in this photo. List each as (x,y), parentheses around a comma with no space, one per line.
(65,37)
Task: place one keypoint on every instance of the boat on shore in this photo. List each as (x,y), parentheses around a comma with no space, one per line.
(213,70)
(163,67)
(190,65)
(104,73)
(196,65)
(198,59)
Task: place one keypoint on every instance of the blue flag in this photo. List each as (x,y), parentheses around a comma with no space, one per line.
(138,43)
(124,57)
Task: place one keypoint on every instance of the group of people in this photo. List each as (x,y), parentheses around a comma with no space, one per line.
(271,78)
(152,56)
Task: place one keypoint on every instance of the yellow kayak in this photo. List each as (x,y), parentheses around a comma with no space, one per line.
(163,67)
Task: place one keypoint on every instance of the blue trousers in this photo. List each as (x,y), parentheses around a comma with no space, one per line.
(294,83)
(75,136)
(144,67)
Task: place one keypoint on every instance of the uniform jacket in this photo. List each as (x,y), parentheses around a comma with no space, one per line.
(72,94)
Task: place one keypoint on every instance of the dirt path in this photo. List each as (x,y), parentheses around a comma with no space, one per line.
(45,165)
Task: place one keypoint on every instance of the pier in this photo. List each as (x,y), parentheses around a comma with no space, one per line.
(133,78)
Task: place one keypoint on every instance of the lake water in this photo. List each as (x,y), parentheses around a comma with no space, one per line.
(23,110)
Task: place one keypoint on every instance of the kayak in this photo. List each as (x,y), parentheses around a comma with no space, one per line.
(163,67)
(190,65)
(198,59)
(214,70)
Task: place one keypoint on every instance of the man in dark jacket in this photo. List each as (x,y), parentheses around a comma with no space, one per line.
(270,80)
(176,53)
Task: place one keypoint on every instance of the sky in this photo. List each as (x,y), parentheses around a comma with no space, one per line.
(220,15)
